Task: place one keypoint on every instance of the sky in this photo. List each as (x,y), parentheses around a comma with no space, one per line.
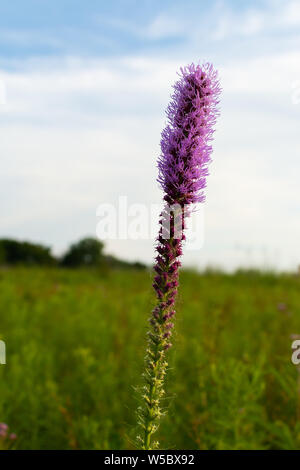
(83,92)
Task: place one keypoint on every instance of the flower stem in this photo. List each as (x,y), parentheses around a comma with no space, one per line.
(165,285)
(183,168)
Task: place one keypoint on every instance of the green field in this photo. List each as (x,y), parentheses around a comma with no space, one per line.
(75,345)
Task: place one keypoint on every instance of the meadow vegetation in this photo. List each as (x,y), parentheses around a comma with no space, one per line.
(75,344)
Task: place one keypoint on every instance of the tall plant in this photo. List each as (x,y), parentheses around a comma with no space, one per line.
(185,154)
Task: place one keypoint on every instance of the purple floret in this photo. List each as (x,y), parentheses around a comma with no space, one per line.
(185,142)
(185,154)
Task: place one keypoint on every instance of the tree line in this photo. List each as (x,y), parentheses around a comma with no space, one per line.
(87,252)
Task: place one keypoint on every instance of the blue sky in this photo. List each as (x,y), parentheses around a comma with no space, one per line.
(98,27)
(86,85)
(105,29)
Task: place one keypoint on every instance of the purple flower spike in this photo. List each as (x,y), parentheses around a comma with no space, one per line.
(186,150)
(183,168)
(185,141)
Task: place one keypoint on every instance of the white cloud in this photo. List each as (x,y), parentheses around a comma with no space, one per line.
(272,16)
(23,38)
(80,132)
(236,24)
(291,13)
(164,26)
(265,74)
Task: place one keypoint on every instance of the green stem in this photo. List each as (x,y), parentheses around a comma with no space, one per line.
(155,366)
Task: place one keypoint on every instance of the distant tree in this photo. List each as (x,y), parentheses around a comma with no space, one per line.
(2,254)
(14,252)
(139,265)
(87,252)
(113,262)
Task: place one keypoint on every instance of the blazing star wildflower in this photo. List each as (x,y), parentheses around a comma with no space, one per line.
(3,430)
(182,165)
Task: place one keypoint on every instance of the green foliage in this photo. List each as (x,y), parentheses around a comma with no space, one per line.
(75,342)
(13,252)
(86,252)
(115,263)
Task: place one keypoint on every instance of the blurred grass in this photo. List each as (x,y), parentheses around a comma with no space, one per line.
(75,345)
